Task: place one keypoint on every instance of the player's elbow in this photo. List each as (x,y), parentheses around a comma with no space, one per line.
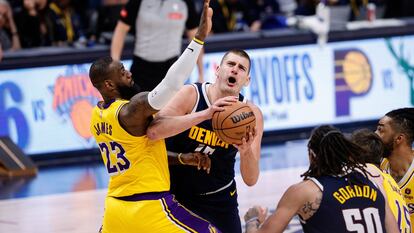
(153,133)
(251,181)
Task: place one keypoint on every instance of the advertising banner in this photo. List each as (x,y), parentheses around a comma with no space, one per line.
(47,109)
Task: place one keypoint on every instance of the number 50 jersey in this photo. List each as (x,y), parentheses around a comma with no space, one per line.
(347,206)
(135,164)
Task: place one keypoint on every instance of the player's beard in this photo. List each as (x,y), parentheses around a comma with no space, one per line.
(388,148)
(127,92)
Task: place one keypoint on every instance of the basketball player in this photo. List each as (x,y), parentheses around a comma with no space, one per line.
(212,195)
(138,198)
(396,130)
(335,195)
(374,148)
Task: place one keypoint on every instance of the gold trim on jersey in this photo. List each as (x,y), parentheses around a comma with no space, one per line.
(385,166)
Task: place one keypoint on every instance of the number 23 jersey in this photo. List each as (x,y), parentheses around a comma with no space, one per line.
(135,164)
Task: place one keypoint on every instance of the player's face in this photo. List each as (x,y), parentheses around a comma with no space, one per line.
(387,134)
(125,85)
(233,74)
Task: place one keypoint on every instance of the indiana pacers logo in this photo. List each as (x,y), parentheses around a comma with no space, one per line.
(74,98)
(353,78)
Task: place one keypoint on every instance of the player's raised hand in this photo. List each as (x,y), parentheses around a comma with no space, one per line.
(204,27)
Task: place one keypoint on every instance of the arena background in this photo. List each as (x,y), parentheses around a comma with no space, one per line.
(46,98)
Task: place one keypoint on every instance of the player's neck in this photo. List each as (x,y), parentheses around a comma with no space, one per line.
(214,93)
(400,161)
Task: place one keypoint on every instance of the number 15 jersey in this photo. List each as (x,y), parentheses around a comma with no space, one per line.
(135,164)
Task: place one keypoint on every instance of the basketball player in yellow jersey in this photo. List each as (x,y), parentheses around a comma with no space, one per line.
(396,130)
(138,198)
(374,147)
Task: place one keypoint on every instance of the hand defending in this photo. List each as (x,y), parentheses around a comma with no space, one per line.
(204,27)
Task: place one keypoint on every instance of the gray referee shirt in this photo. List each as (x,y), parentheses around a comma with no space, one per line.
(159,26)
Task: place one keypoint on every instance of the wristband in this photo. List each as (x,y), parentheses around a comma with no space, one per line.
(198,41)
(254,219)
(179,158)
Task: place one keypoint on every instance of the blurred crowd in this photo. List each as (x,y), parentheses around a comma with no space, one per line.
(81,23)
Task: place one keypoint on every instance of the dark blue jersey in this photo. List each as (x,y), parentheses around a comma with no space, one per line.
(356,206)
(187,180)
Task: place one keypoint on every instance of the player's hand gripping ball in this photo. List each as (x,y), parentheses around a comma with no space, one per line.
(234,123)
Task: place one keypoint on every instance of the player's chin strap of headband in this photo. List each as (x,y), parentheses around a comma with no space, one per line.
(176,76)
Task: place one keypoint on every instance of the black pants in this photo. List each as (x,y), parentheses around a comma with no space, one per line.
(149,74)
(220,209)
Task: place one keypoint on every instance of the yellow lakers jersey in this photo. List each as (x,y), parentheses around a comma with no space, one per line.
(406,186)
(396,201)
(135,164)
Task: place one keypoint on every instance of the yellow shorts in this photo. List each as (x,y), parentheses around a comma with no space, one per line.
(152,213)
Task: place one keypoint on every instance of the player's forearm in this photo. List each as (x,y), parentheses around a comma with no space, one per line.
(249,167)
(117,43)
(167,126)
(175,77)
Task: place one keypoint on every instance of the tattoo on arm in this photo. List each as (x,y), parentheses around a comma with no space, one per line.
(310,207)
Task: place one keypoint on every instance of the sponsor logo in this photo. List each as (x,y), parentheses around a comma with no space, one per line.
(74,97)
(241,116)
(353,78)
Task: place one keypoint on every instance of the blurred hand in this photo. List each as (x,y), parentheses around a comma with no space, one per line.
(256,212)
(200,160)
(204,27)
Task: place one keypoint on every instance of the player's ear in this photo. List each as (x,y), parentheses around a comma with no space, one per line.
(247,81)
(400,138)
(109,84)
(217,70)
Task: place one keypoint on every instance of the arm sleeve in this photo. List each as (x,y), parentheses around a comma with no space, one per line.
(175,77)
(129,12)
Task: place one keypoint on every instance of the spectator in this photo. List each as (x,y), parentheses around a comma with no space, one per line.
(9,38)
(108,15)
(67,28)
(268,14)
(398,8)
(34,24)
(158,26)
(233,16)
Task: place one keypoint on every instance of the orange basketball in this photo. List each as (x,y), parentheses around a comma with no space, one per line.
(234,123)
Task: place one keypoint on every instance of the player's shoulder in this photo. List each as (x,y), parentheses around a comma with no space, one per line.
(306,187)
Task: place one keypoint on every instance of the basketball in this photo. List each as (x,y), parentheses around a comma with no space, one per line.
(234,123)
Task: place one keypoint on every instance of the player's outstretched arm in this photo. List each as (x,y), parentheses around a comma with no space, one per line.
(182,68)
(135,115)
(177,115)
(302,198)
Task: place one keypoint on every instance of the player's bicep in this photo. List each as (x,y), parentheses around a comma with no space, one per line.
(286,209)
(137,111)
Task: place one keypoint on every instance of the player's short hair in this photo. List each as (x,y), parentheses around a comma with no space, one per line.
(403,122)
(332,154)
(100,71)
(239,52)
(371,143)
